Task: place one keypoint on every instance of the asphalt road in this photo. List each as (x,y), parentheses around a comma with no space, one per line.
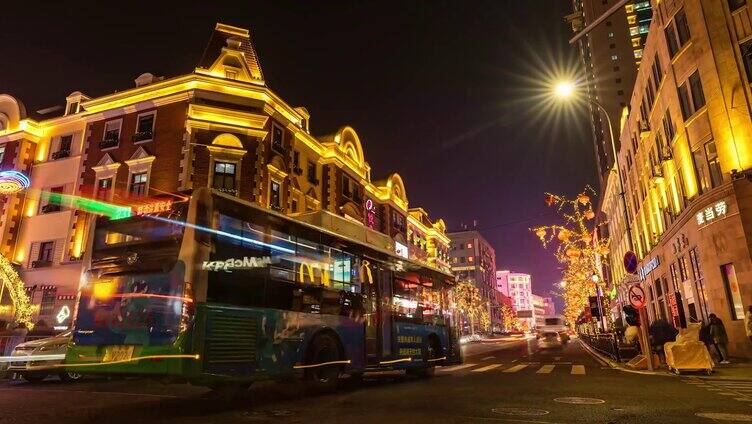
(509,381)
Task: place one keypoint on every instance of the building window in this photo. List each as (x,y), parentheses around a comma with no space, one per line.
(683,274)
(138,184)
(51,207)
(47,305)
(668,126)
(46,252)
(312,174)
(296,162)
(682,28)
(2,153)
(732,291)
(224,177)
(714,165)
(701,172)
(275,198)
(691,95)
(614,57)
(736,4)
(144,127)
(657,70)
(72,108)
(746,51)
(64,148)
(277,139)
(103,189)
(111,136)
(294,206)
(673,45)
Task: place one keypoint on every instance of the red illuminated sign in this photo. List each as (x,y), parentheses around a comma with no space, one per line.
(154,207)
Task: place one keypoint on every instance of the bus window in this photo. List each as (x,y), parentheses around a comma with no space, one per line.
(407,298)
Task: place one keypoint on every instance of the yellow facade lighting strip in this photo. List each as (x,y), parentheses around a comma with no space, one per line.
(125,361)
(226,116)
(297,367)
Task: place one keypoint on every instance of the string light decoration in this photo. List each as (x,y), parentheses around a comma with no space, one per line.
(577,250)
(12,182)
(509,318)
(22,308)
(468,301)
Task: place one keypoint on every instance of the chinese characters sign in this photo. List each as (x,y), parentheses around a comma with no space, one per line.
(711,213)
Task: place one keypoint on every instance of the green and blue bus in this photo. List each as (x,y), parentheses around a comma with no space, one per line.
(216,291)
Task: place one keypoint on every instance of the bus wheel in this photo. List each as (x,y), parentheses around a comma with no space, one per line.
(431,349)
(70,376)
(326,377)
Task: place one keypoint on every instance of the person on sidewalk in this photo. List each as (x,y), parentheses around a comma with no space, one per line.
(720,338)
(748,323)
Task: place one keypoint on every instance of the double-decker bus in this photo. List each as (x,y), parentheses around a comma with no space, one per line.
(215,291)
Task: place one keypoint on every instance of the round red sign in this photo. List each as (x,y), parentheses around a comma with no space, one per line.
(637,296)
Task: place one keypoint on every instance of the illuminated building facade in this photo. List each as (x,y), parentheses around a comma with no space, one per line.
(219,126)
(685,158)
(611,54)
(473,259)
(519,288)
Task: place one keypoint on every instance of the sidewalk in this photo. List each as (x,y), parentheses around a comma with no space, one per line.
(739,369)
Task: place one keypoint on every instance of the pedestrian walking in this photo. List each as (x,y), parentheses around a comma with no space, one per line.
(720,338)
(748,323)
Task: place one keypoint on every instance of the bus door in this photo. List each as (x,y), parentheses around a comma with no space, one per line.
(371,309)
(385,312)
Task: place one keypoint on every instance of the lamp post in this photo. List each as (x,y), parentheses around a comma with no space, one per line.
(567,90)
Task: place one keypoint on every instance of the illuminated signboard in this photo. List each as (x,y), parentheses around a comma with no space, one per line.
(12,182)
(711,213)
(154,207)
(229,264)
(649,267)
(401,250)
(372,217)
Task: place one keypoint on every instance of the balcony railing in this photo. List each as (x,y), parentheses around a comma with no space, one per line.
(277,208)
(50,208)
(230,191)
(109,142)
(41,264)
(142,136)
(60,154)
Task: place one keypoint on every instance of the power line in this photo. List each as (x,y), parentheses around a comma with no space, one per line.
(508,223)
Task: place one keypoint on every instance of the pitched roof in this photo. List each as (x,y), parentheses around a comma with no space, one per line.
(219,40)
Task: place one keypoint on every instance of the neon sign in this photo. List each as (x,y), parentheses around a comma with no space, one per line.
(711,213)
(371,217)
(12,182)
(63,314)
(230,264)
(155,207)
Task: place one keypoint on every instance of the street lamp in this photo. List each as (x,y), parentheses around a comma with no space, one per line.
(566,90)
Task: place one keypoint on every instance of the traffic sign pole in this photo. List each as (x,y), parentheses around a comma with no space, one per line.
(646,351)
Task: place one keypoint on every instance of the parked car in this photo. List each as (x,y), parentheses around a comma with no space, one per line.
(550,340)
(50,352)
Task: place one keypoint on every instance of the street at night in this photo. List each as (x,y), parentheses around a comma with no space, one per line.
(506,381)
(376,211)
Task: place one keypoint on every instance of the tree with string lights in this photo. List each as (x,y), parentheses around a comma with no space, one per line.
(468,301)
(576,249)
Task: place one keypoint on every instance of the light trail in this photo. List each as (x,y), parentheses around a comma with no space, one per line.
(321,364)
(221,233)
(98,207)
(32,358)
(126,361)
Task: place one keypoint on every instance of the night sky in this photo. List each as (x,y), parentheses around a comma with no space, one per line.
(445,93)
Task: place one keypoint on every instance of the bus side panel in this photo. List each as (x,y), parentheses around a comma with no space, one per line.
(410,338)
(249,343)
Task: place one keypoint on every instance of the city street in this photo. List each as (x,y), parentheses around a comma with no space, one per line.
(502,381)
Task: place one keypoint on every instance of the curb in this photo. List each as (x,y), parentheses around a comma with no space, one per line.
(615,365)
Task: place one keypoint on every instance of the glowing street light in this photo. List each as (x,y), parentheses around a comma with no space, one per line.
(595,278)
(564,89)
(562,284)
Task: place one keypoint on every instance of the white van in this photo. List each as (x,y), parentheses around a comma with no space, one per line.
(555,324)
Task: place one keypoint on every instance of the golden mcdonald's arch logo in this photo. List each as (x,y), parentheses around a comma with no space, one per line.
(306,272)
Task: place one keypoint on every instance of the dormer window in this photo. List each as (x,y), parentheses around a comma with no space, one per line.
(72,108)
(231,74)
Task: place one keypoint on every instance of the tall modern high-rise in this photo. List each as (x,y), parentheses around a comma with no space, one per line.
(474,259)
(611,54)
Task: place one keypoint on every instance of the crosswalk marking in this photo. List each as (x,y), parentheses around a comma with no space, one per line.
(458,367)
(545,369)
(516,368)
(487,368)
(578,370)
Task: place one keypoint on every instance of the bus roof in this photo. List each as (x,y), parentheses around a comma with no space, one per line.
(387,256)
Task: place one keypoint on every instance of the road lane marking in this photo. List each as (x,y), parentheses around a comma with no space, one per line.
(546,369)
(578,370)
(516,368)
(457,367)
(487,368)
(488,357)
